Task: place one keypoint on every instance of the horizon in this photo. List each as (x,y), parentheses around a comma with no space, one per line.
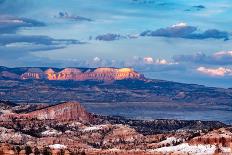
(146,77)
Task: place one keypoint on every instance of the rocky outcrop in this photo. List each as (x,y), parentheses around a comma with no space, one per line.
(98,74)
(63,112)
(33,73)
(221,137)
(59,112)
(6,107)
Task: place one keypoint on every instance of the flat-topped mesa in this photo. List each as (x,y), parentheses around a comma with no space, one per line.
(98,74)
(108,74)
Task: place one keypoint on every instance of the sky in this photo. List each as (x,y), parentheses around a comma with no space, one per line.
(177,40)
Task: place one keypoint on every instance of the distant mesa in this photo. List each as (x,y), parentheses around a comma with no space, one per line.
(76,74)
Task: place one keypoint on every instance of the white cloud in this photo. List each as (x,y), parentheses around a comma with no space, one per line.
(164,62)
(223,53)
(96,59)
(221,71)
(148,60)
(180,25)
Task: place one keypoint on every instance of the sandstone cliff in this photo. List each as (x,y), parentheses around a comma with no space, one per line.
(63,112)
(98,74)
(60,112)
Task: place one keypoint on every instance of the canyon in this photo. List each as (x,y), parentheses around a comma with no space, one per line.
(87,133)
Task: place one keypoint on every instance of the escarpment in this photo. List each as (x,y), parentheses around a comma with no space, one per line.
(59,112)
(77,74)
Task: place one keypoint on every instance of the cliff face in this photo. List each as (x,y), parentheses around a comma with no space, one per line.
(99,74)
(63,112)
(60,112)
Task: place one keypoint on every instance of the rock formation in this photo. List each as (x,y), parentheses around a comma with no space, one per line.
(62,112)
(98,74)
(59,112)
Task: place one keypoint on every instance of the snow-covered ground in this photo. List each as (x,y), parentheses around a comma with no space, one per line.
(57,146)
(226,150)
(170,140)
(94,128)
(51,132)
(192,149)
(5,111)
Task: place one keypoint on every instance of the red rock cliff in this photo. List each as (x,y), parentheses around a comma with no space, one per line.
(62,112)
(100,74)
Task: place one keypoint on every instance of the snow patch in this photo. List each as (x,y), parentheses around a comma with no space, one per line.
(94,128)
(226,149)
(57,146)
(170,140)
(51,132)
(192,149)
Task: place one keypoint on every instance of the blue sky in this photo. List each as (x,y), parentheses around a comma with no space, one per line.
(185,41)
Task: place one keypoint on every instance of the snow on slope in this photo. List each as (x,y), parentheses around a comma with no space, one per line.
(192,149)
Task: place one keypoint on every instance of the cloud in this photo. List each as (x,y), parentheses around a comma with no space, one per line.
(196,8)
(183,30)
(218,58)
(109,37)
(221,71)
(212,33)
(65,15)
(6,39)
(17,49)
(148,60)
(180,30)
(10,24)
(144,64)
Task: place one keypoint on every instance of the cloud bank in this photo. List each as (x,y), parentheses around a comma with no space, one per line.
(10,24)
(218,58)
(221,71)
(183,30)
